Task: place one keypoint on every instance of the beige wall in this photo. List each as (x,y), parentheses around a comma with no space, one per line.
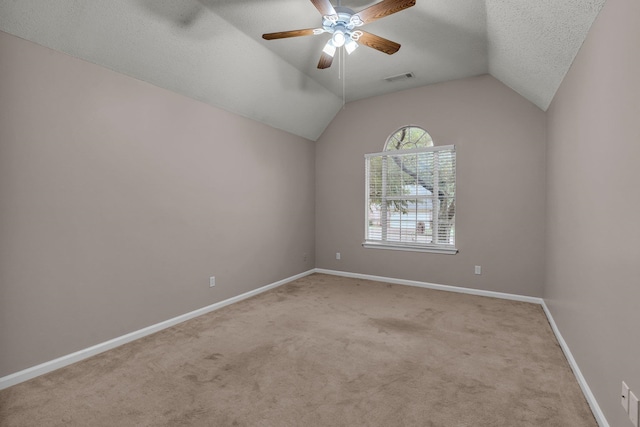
(593,216)
(500,143)
(118,200)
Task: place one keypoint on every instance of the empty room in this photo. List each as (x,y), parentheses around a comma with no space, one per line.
(319,213)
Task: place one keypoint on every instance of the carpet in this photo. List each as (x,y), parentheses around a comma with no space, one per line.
(323,351)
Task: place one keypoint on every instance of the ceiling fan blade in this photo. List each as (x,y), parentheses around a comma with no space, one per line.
(325,61)
(324,7)
(287,34)
(384,8)
(379,43)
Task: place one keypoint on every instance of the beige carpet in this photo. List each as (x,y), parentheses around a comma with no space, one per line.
(323,351)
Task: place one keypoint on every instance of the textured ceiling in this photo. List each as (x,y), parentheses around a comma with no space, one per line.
(212,50)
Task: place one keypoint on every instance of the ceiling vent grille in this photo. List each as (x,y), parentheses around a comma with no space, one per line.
(398,77)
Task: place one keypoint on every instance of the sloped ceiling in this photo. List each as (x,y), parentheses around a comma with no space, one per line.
(212,50)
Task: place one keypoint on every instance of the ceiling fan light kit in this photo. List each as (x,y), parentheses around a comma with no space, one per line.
(341,23)
(342,26)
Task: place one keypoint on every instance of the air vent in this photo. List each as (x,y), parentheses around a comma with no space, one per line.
(398,77)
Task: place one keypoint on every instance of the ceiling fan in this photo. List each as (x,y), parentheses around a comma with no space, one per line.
(343,23)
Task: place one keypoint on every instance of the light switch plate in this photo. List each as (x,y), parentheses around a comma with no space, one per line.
(624,397)
(633,409)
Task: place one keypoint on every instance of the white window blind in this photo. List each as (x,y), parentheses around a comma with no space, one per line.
(411,199)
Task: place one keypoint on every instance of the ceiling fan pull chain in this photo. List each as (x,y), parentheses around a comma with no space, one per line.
(344,78)
(339,64)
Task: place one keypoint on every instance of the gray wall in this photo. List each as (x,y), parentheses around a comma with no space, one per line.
(593,207)
(499,138)
(118,200)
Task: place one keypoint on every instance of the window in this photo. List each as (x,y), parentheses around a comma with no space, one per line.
(411,189)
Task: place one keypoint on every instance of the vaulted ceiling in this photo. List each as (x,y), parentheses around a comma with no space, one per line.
(212,50)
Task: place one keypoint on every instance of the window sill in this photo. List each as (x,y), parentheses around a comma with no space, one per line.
(437,250)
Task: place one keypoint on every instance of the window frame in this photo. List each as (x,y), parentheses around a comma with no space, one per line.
(403,246)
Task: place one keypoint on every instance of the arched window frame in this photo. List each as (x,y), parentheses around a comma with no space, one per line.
(410,194)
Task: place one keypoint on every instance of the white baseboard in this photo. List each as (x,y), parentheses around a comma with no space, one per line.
(591,400)
(68,359)
(435,286)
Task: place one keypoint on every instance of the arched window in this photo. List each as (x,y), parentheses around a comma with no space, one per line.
(411,194)
(407,138)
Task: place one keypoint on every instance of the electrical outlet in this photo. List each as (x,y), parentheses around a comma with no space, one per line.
(624,399)
(212,281)
(337,255)
(304,257)
(478,270)
(633,409)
